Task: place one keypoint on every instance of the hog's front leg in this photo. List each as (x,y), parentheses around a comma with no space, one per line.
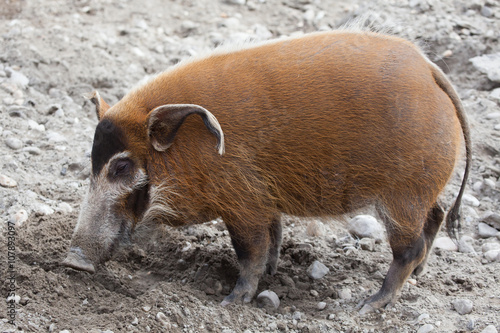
(251,244)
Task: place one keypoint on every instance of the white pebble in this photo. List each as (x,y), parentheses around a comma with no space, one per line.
(64,208)
(146,308)
(321,306)
(366,226)
(425,328)
(55,137)
(43,209)
(6,181)
(317,270)
(345,293)
(160,316)
(490,246)
(490,329)
(470,200)
(15,298)
(492,255)
(445,243)
(423,317)
(315,229)
(493,115)
(19,217)
(367,244)
(485,231)
(465,245)
(491,218)
(268,297)
(33,150)
(19,78)
(463,306)
(14,143)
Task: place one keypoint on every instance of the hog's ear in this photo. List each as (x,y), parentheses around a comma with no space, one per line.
(100,105)
(165,121)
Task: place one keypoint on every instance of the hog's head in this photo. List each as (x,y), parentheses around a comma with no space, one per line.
(119,195)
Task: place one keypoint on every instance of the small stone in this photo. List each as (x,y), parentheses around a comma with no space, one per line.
(492,219)
(297,315)
(423,317)
(447,54)
(495,94)
(64,331)
(43,209)
(485,231)
(188,27)
(490,246)
(55,137)
(19,78)
(367,244)
(345,294)
(14,143)
(160,316)
(366,226)
(465,245)
(52,327)
(135,321)
(445,243)
(490,329)
(425,328)
(315,229)
(268,298)
(331,316)
(19,217)
(146,308)
(492,255)
(486,11)
(462,306)
(15,298)
(470,324)
(470,200)
(488,64)
(492,115)
(33,150)
(321,306)
(314,293)
(64,208)
(6,181)
(317,270)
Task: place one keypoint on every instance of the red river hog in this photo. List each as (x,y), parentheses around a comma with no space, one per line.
(312,126)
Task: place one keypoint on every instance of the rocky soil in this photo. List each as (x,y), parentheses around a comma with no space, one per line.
(52,52)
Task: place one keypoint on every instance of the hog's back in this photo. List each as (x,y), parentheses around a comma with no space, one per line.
(320,124)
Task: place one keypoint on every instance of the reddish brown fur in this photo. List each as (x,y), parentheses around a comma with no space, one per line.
(256,115)
(314,126)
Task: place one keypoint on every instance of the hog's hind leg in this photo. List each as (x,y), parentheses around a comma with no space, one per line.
(405,228)
(252,246)
(432,224)
(276,234)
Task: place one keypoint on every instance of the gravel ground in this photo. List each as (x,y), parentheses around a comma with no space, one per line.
(52,52)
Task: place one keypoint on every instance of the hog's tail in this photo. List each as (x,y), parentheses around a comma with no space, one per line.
(453,217)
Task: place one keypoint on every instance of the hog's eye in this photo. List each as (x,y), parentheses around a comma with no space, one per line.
(122,167)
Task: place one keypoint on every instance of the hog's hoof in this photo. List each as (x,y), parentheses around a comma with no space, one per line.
(243,292)
(77,261)
(232,298)
(375,302)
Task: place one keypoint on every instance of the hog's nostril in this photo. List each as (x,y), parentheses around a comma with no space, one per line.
(75,259)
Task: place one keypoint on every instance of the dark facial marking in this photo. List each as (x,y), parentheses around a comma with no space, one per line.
(108,140)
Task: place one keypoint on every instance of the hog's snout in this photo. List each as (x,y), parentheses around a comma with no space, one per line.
(76,259)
